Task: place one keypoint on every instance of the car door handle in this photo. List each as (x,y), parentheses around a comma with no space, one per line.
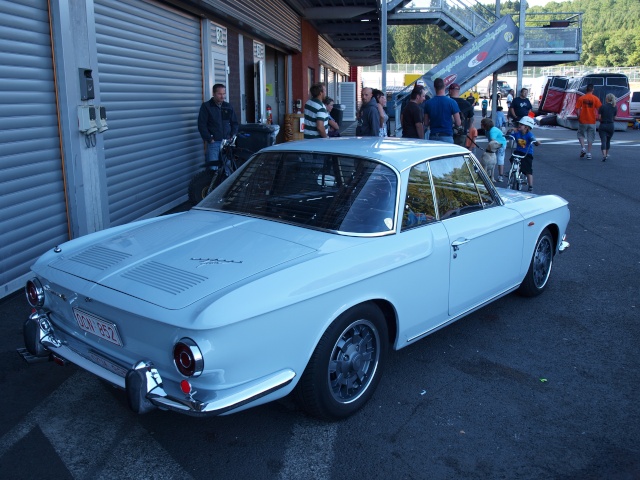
(457,243)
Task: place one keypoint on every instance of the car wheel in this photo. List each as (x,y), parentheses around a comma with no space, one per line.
(346,365)
(539,271)
(199,185)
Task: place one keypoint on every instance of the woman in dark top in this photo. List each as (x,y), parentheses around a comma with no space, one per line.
(606,113)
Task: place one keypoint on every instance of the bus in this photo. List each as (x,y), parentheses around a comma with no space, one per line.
(560,95)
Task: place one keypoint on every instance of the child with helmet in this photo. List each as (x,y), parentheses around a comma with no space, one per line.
(524,142)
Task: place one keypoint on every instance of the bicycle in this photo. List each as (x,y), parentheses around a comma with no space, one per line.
(516,179)
(203,183)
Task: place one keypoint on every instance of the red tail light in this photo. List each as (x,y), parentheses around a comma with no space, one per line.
(188,358)
(35,293)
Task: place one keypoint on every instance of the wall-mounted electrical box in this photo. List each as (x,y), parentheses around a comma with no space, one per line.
(87,119)
(86,84)
(101,118)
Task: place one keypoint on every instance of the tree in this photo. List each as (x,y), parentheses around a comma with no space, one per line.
(421,44)
(609,29)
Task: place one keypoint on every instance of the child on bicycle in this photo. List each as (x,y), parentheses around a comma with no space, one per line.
(524,142)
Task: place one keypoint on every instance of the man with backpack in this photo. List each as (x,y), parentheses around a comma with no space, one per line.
(216,121)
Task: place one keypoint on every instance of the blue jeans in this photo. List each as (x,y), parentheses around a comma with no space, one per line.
(213,152)
(441,137)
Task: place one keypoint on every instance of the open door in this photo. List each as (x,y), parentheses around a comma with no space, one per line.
(259,91)
(553,95)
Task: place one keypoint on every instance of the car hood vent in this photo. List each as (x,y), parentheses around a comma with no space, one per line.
(178,260)
(100,257)
(163,277)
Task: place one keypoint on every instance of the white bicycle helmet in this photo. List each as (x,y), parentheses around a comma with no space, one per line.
(528,121)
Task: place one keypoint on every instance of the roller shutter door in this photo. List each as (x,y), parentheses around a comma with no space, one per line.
(33,215)
(150,74)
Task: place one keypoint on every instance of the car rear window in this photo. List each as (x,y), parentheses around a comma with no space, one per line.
(340,193)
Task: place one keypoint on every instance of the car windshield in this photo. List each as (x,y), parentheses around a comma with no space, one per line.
(334,192)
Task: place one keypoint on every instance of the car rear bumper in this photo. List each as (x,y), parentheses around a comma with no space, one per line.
(143,383)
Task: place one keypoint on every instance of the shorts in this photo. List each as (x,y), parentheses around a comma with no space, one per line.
(500,156)
(587,130)
(526,166)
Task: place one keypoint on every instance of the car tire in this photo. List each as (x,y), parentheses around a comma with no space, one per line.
(199,185)
(346,365)
(539,271)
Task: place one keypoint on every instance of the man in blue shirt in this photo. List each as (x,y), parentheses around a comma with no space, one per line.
(441,113)
(216,122)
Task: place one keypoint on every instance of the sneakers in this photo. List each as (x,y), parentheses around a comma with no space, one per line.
(604,159)
(583,152)
(530,189)
(588,156)
(501,178)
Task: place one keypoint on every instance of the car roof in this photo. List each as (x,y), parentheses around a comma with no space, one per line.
(397,152)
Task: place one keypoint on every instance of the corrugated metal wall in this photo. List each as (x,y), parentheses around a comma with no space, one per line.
(150,76)
(271,17)
(328,56)
(32,204)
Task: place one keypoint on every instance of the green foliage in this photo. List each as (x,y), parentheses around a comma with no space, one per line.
(421,44)
(610,30)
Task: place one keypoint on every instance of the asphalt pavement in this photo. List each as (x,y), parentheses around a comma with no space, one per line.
(521,389)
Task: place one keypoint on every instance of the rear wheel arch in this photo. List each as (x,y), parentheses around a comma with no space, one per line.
(347,362)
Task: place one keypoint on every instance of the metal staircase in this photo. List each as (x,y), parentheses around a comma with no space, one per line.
(462,19)
(550,39)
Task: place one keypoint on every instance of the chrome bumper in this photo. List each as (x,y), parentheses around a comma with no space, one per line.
(143,384)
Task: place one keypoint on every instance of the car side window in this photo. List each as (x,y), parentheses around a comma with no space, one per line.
(419,208)
(483,189)
(456,191)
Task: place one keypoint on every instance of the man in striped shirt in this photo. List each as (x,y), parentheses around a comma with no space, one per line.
(316,117)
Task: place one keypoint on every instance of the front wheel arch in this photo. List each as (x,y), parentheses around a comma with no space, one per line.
(539,271)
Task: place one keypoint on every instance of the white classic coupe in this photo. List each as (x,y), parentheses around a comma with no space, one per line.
(297,274)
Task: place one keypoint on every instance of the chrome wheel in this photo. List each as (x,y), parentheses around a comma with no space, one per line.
(542,261)
(354,361)
(539,271)
(346,365)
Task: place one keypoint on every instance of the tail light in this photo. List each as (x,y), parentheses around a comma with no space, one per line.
(188,358)
(35,293)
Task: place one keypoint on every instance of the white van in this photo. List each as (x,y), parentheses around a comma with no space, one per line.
(634,105)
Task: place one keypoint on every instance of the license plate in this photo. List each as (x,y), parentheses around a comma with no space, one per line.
(97,326)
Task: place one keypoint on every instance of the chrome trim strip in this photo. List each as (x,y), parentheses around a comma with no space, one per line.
(460,315)
(224,404)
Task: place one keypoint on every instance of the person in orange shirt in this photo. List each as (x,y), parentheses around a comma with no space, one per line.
(587,110)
